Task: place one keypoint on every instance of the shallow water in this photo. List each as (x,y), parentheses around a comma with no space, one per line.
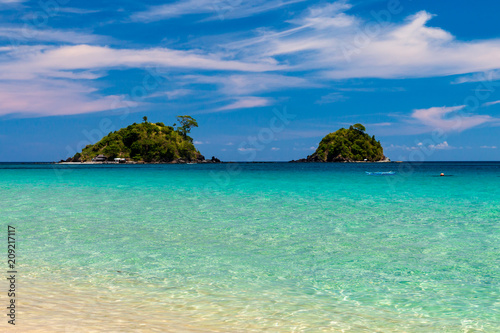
(272,247)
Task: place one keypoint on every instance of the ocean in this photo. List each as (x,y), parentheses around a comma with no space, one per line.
(254,247)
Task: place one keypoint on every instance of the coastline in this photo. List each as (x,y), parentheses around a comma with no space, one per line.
(221,162)
(121,308)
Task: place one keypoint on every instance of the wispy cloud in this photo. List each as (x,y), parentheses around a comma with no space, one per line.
(173,94)
(252,83)
(221,9)
(246,103)
(81,57)
(449,118)
(52,97)
(40,80)
(325,40)
(488,147)
(19,35)
(310,50)
(81,11)
(11,1)
(332,98)
(491,103)
(443,146)
(492,75)
(440,146)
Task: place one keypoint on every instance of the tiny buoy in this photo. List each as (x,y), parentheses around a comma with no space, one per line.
(442,174)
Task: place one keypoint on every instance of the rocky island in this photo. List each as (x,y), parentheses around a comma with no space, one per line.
(146,143)
(348,145)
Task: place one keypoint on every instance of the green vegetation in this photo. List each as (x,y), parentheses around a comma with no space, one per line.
(146,142)
(186,123)
(351,144)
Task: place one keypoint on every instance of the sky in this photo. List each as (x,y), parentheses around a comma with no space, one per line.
(265,79)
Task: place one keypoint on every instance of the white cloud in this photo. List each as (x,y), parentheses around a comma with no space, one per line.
(349,50)
(52,97)
(38,80)
(380,124)
(247,102)
(178,93)
(304,148)
(420,146)
(251,83)
(449,118)
(487,76)
(221,9)
(81,11)
(402,147)
(332,98)
(327,16)
(488,147)
(82,57)
(172,94)
(11,1)
(20,35)
(323,42)
(275,148)
(443,145)
(491,103)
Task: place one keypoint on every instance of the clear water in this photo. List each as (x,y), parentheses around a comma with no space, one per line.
(271,247)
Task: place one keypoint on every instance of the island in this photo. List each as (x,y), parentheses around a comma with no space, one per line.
(348,145)
(145,143)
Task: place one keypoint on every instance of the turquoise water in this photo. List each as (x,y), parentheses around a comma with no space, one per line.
(271,247)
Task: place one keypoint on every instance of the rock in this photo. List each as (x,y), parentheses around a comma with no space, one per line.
(313,158)
(215,160)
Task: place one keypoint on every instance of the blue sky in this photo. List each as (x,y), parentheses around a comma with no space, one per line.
(266,79)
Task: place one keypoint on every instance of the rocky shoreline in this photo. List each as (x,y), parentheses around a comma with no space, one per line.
(200,160)
(315,159)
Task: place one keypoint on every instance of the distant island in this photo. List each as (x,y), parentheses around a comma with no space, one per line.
(157,143)
(146,143)
(348,145)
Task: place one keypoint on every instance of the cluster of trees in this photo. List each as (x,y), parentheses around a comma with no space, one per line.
(351,144)
(149,142)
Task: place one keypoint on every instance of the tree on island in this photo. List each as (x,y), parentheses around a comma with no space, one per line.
(186,123)
(358,127)
(145,119)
